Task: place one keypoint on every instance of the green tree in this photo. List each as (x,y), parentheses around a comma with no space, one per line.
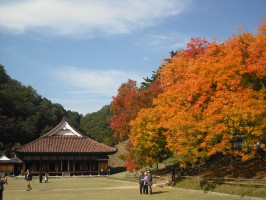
(24,114)
(95,125)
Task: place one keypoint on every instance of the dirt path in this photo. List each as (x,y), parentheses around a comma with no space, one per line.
(82,189)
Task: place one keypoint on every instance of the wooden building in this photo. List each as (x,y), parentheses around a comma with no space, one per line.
(9,166)
(65,150)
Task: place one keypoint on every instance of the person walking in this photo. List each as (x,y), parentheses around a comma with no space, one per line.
(28,178)
(2,182)
(141,182)
(149,182)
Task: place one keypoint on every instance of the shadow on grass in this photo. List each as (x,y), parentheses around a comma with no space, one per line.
(205,184)
(115,170)
(159,192)
(208,186)
(155,193)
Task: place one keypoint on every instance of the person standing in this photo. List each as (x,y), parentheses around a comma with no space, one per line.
(40,177)
(149,182)
(28,178)
(145,185)
(173,172)
(141,182)
(46,177)
(2,182)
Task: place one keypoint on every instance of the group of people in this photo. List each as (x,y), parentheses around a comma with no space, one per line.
(28,178)
(145,182)
(45,177)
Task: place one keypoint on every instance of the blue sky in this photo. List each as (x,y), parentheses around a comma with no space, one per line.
(78,52)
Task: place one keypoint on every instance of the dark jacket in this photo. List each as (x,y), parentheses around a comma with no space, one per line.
(149,180)
(140,179)
(2,182)
(28,177)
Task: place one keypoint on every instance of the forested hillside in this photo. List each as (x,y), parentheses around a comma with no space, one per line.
(96,126)
(25,115)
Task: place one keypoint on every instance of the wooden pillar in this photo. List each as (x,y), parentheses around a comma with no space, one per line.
(90,165)
(99,168)
(74,167)
(40,167)
(46,165)
(33,166)
(23,167)
(56,166)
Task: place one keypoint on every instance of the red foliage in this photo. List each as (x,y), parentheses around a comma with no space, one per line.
(131,165)
(126,105)
(196,46)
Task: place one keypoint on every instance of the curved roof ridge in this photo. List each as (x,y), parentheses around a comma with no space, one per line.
(53,129)
(56,128)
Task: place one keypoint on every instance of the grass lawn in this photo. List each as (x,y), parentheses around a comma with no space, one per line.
(98,189)
(223,188)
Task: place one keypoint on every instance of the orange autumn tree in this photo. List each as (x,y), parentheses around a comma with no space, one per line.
(214,94)
(148,134)
(147,138)
(215,97)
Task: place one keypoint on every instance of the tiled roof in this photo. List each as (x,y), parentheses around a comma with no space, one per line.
(65,144)
(6,160)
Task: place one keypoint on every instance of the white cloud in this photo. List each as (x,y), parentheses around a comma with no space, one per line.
(85,18)
(162,37)
(82,106)
(87,91)
(165,41)
(179,45)
(146,58)
(98,82)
